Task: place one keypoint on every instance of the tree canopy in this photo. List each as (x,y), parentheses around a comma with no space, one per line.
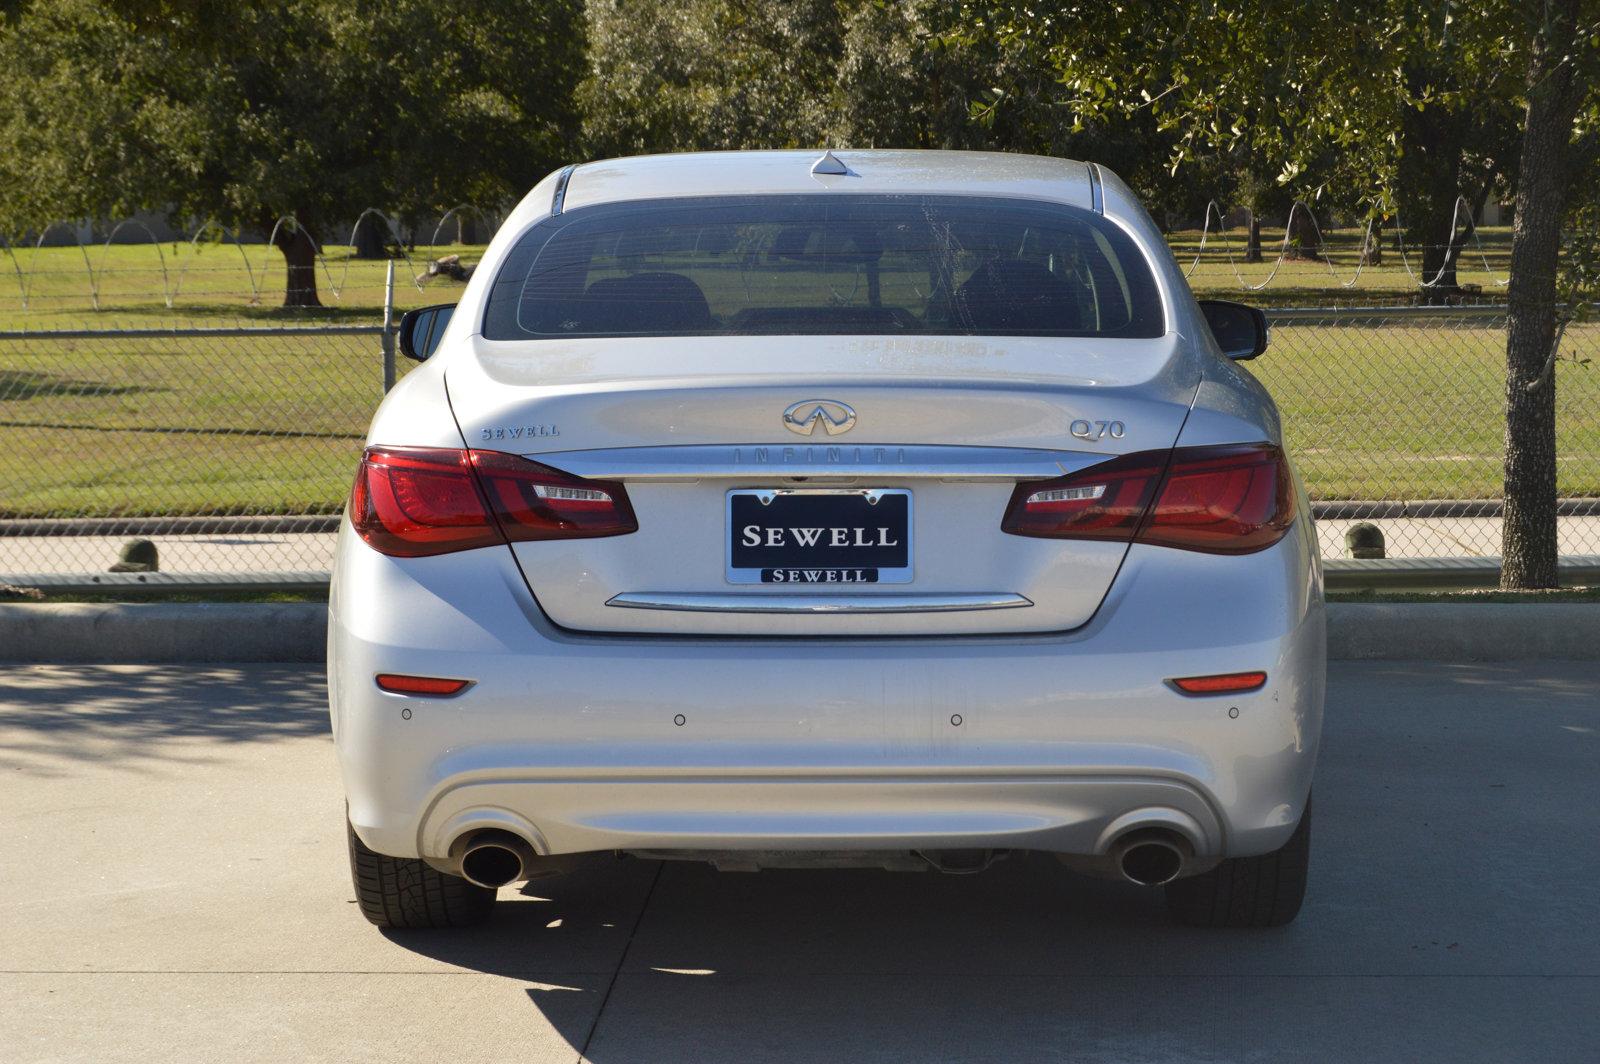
(1385,105)
(314,109)
(318,109)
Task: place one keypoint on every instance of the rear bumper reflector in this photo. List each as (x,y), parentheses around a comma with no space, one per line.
(434,686)
(1225,683)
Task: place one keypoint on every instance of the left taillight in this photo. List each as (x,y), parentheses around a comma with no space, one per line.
(1232,499)
(533,501)
(412,502)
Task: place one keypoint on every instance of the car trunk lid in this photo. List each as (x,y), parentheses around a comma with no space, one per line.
(942,431)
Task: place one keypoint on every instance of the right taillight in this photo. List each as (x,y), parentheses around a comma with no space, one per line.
(411,502)
(1106,501)
(1223,500)
(1232,499)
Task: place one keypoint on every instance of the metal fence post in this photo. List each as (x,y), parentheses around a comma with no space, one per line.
(388,328)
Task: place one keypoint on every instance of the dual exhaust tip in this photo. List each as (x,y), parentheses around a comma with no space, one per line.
(1151,857)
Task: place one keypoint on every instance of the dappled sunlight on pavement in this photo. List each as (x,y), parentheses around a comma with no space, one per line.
(133,718)
(176,890)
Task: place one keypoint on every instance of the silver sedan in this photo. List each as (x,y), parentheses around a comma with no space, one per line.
(893,508)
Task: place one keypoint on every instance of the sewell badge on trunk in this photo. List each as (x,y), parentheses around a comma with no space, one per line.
(827,536)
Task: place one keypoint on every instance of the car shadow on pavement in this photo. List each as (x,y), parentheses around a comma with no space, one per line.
(54,718)
(681,962)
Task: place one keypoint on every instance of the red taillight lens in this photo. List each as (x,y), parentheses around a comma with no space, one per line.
(1232,682)
(411,502)
(1225,500)
(1106,501)
(395,683)
(535,502)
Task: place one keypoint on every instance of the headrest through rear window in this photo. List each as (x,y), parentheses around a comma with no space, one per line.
(1012,296)
(643,303)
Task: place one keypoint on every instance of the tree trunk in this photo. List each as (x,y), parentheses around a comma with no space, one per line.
(1479,201)
(300,263)
(370,234)
(1372,245)
(1304,241)
(1528,538)
(1434,221)
(466,228)
(1432,228)
(1252,243)
(1427,182)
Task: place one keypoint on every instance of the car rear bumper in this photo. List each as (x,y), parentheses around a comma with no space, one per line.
(712,809)
(1056,742)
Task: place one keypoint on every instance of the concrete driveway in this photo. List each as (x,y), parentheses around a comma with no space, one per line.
(174,888)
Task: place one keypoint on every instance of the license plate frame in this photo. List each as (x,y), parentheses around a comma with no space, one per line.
(813,575)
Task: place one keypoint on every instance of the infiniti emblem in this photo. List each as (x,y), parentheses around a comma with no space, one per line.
(804,416)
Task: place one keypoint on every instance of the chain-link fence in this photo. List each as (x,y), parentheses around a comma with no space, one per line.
(231,449)
(1396,418)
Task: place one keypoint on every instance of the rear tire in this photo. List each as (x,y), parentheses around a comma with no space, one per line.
(408,893)
(1263,891)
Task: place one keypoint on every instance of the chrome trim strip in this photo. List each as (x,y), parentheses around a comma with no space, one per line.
(837,461)
(560,197)
(726,602)
(1096,197)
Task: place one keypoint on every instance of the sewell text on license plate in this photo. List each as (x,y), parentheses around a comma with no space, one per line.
(827,536)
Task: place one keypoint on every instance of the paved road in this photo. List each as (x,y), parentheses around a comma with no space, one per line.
(175,890)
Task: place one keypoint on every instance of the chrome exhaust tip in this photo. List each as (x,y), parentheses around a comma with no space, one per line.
(495,858)
(1150,858)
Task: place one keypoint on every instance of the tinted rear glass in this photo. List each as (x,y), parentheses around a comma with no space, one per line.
(824,264)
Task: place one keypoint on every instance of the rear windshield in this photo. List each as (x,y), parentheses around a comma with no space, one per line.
(824,264)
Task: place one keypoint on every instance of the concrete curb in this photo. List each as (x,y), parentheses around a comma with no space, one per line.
(295,631)
(1450,631)
(163,631)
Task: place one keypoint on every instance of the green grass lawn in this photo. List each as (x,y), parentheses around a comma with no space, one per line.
(267,425)
(1415,411)
(129,286)
(119,426)
(183,426)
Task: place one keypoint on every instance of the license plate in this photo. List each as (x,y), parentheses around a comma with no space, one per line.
(819,536)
